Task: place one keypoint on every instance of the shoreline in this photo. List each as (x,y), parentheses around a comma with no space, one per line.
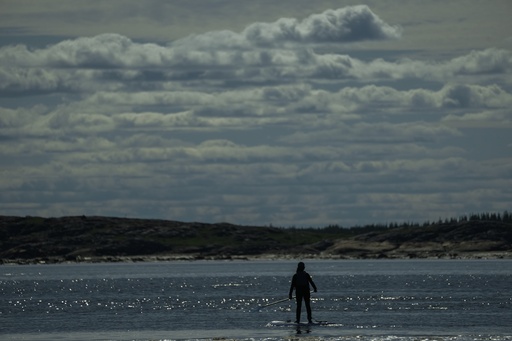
(267,257)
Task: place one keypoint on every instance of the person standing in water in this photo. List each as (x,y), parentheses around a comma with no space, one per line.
(300,282)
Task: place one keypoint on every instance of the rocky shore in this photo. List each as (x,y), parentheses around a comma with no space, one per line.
(36,240)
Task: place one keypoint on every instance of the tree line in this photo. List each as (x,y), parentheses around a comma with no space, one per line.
(505,217)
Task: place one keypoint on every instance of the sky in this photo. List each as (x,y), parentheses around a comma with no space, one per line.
(283,113)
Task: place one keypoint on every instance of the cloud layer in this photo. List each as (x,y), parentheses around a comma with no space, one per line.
(272,124)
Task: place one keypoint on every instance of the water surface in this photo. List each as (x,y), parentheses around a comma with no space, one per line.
(362,299)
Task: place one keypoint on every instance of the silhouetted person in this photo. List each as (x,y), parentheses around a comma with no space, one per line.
(300,281)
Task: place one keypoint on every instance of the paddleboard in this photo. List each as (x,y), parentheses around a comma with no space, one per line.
(290,323)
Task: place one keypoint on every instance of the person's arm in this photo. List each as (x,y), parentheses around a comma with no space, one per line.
(312,283)
(291,287)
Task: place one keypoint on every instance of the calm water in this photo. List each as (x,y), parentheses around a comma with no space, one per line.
(363,300)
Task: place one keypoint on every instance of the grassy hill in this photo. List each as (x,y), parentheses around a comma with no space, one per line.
(80,238)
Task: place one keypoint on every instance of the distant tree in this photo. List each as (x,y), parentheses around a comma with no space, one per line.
(506,217)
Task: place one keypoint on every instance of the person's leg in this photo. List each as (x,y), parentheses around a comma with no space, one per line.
(307,301)
(299,307)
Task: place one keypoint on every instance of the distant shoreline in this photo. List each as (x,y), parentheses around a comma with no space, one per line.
(264,257)
(80,239)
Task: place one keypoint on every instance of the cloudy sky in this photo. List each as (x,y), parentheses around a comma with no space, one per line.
(289,112)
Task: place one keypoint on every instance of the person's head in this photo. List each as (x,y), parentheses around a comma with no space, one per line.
(301,266)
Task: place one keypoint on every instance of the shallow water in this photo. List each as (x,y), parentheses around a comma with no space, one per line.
(363,300)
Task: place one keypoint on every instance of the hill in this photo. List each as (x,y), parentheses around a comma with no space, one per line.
(80,238)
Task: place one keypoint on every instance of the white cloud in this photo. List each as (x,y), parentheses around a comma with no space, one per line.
(347,24)
(481,119)
(113,50)
(352,113)
(282,66)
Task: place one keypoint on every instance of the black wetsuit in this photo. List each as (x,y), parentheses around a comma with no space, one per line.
(300,282)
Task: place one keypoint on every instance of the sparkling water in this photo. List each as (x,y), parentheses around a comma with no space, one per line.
(360,300)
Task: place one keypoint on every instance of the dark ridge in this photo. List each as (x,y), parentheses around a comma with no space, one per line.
(80,238)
